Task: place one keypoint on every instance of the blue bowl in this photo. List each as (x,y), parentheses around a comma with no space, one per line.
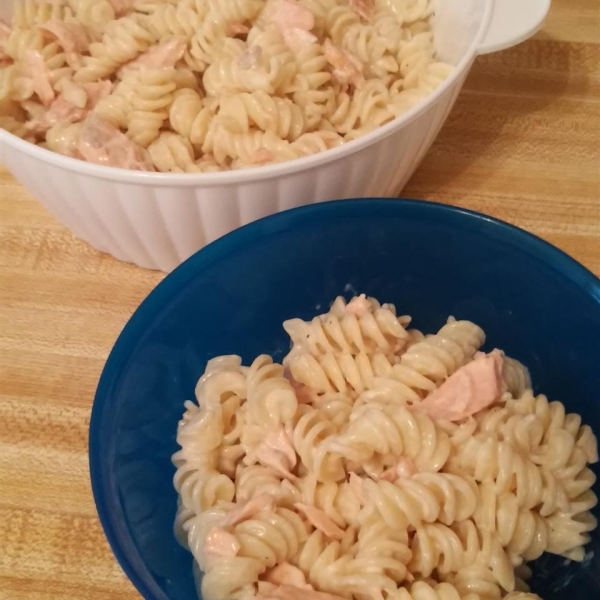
(432,261)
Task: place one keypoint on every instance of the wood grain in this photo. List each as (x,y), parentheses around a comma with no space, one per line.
(523,144)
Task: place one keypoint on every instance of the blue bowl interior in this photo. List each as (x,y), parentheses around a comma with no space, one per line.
(231,298)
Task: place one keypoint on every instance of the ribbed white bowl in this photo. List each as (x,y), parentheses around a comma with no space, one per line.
(158,220)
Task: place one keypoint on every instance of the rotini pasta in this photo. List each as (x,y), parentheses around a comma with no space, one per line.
(339,372)
(117,107)
(94,15)
(271,398)
(313,90)
(522,532)
(255,480)
(173,20)
(336,476)
(210,42)
(488,459)
(29,13)
(189,117)
(63,138)
(172,153)
(151,104)
(311,435)
(340,502)
(283,79)
(425,497)
(122,41)
(364,328)
(553,417)
(338,569)
(21,41)
(281,116)
(395,431)
(254,147)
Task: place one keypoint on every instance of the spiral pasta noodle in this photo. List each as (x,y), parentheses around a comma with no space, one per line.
(254,480)
(339,372)
(173,20)
(339,20)
(271,537)
(340,473)
(367,44)
(227,76)
(117,107)
(376,328)
(319,9)
(232,148)
(422,589)
(278,115)
(482,548)
(21,41)
(393,430)
(150,105)
(311,435)
(522,532)
(234,11)
(313,143)
(30,13)
(366,108)
(331,569)
(313,91)
(189,117)
(228,575)
(172,153)
(210,43)
(271,399)
(487,458)
(429,497)
(63,138)
(94,15)
(339,501)
(197,481)
(123,40)
(553,417)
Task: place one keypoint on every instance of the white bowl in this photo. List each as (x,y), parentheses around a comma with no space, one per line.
(157,220)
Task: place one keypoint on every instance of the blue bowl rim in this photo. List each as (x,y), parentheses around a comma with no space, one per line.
(236,240)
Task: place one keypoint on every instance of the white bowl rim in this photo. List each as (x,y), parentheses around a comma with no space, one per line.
(251,174)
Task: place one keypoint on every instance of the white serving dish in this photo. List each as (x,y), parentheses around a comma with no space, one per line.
(157,220)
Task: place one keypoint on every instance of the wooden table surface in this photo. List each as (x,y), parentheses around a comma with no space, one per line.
(522,144)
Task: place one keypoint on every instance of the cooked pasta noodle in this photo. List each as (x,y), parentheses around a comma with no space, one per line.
(29,13)
(425,497)
(340,472)
(173,20)
(94,15)
(271,537)
(279,115)
(172,153)
(122,41)
(339,372)
(189,117)
(395,431)
(21,41)
(285,79)
(340,502)
(331,567)
(347,330)
(311,435)
(63,138)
